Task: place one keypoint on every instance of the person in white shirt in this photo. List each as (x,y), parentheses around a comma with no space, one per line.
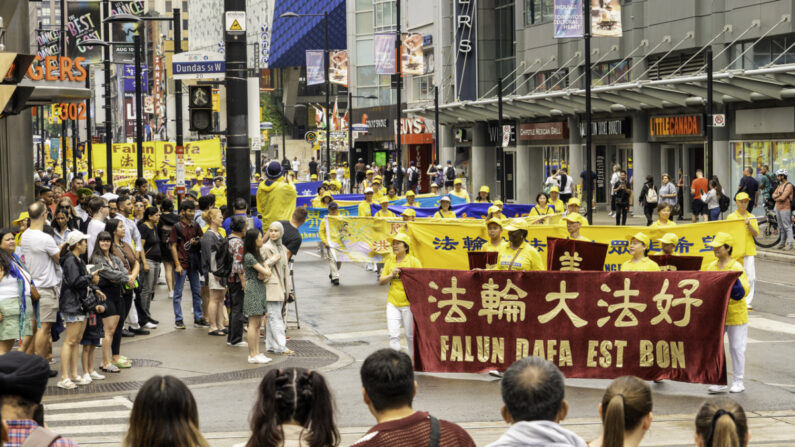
(552,180)
(99,210)
(613,184)
(295,165)
(566,184)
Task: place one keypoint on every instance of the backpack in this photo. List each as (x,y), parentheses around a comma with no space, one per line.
(724,203)
(450,174)
(651,195)
(413,175)
(223,259)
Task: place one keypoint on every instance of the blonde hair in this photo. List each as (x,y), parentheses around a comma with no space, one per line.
(211,214)
(721,422)
(625,403)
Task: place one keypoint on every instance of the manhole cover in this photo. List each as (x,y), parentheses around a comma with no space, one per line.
(145,363)
(344,344)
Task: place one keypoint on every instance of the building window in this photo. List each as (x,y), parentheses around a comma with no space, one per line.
(384,15)
(549,80)
(763,53)
(538,11)
(621,72)
(506,51)
(364,23)
(675,63)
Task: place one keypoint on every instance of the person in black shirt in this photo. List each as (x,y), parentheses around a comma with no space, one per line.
(749,185)
(313,167)
(292,237)
(622,191)
(151,270)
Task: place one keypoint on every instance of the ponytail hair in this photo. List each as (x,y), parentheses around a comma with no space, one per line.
(625,403)
(721,422)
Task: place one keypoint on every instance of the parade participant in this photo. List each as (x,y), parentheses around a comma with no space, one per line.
(275,199)
(344,176)
(638,249)
(391,193)
(668,243)
(197,183)
(333,186)
(219,191)
(574,222)
(277,288)
(186,251)
(434,189)
(384,211)
(483,194)
(327,239)
(572,206)
(254,298)
(458,190)
(322,189)
(325,199)
(365,208)
(368,180)
(499,205)
(444,209)
(409,215)
(736,325)
(494,212)
(397,307)
(517,254)
(378,191)
(494,229)
(743,201)
(410,198)
(313,177)
(721,422)
(664,216)
(541,209)
(554,200)
(625,412)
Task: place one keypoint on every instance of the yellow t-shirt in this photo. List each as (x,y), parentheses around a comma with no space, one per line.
(499,216)
(412,204)
(221,230)
(198,188)
(378,194)
(382,213)
(462,194)
(397,294)
(644,265)
(444,214)
(489,247)
(365,209)
(537,211)
(316,203)
(557,206)
(528,258)
(658,224)
(335,237)
(737,313)
(750,245)
(220,196)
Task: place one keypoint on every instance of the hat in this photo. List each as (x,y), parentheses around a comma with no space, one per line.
(218,177)
(485,189)
(313,177)
(92,180)
(337,183)
(458,181)
(494,209)
(511,227)
(273,170)
(326,194)
(449,161)
(368,190)
(23,375)
(722,239)
(383,200)
(669,238)
(402,237)
(573,202)
(22,216)
(110,196)
(333,172)
(198,169)
(640,237)
(498,203)
(74,237)
(411,163)
(554,189)
(333,205)
(368,172)
(445,198)
(410,193)
(408,212)
(82,192)
(742,196)
(326,183)
(434,185)
(192,193)
(576,218)
(377,177)
(494,220)
(377,180)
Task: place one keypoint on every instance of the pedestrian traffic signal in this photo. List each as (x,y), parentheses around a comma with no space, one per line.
(200,106)
(13,67)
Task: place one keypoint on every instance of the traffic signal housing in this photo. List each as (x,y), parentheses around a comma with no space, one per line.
(200,108)
(13,67)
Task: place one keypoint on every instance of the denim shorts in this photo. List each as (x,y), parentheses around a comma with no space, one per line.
(73,318)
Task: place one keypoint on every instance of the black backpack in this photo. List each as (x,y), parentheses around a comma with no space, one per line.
(223,259)
(724,202)
(450,173)
(413,175)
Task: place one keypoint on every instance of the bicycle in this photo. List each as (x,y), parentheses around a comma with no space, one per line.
(768,227)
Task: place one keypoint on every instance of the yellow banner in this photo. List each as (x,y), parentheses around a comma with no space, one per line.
(445,242)
(158,155)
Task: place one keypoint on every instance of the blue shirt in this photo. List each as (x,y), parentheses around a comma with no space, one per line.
(228,222)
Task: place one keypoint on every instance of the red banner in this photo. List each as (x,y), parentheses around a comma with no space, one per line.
(481,259)
(574,256)
(654,325)
(673,262)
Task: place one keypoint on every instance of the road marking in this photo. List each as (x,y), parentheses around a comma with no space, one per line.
(789,286)
(346,335)
(109,418)
(116,401)
(99,415)
(766,324)
(89,429)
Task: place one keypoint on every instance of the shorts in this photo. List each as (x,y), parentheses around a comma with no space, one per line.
(91,342)
(73,318)
(9,325)
(214,283)
(699,207)
(48,305)
(113,307)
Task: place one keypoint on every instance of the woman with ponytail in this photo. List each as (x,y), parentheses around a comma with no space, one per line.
(721,422)
(626,413)
(294,409)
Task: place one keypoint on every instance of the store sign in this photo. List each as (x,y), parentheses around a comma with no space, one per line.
(609,128)
(58,69)
(416,125)
(544,131)
(465,49)
(676,126)
(496,135)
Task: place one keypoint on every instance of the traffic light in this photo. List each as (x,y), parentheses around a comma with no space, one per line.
(200,106)
(13,67)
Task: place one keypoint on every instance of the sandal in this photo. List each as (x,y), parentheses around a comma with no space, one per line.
(288,352)
(110,369)
(124,364)
(216,332)
(66,384)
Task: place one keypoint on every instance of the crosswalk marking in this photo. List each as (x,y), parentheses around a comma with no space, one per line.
(766,324)
(62,417)
(116,401)
(89,418)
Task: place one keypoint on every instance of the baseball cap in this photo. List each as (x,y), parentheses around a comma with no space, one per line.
(554,189)
(402,237)
(444,198)
(74,237)
(511,227)
(409,212)
(669,238)
(484,188)
(383,200)
(642,237)
(494,220)
(742,196)
(494,209)
(368,172)
(368,190)
(722,239)
(573,202)
(576,218)
(333,205)
(410,193)
(498,203)
(458,181)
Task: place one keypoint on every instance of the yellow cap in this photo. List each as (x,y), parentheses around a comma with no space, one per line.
(409,212)
(22,216)
(377,177)
(494,209)
(458,181)
(337,183)
(402,237)
(485,189)
(410,193)
(434,185)
(368,172)
(333,172)
(494,220)
(325,183)
(554,189)
(576,218)
(722,239)
(742,196)
(313,177)
(498,203)
(573,202)
(383,200)
(640,237)
(511,227)
(445,198)
(669,238)
(376,180)
(326,194)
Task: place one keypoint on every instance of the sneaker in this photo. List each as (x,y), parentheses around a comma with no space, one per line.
(179,325)
(259,358)
(97,376)
(82,380)
(240,344)
(715,389)
(171,295)
(139,331)
(150,325)
(263,359)
(737,387)
(153,321)
(66,384)
(201,323)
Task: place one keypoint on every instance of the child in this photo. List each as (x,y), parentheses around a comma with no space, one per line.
(92,338)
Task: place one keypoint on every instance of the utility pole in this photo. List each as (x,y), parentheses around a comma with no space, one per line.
(326,57)
(588,177)
(399,69)
(89,149)
(710,138)
(436,124)
(178,93)
(501,136)
(63,118)
(108,110)
(237,152)
(139,106)
(352,182)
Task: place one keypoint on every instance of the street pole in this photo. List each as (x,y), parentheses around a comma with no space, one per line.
(74,147)
(62,37)
(89,149)
(500,132)
(108,110)
(326,57)
(237,153)
(350,142)
(178,89)
(710,142)
(436,124)
(588,179)
(139,126)
(284,131)
(399,68)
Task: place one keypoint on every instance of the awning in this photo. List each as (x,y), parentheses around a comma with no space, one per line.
(45,92)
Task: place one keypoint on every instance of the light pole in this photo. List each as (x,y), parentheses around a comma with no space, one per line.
(350,134)
(291,15)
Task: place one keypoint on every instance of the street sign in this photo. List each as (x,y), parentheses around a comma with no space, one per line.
(198,65)
(360,127)
(310,137)
(719,120)
(180,153)
(506,135)
(266,125)
(236,21)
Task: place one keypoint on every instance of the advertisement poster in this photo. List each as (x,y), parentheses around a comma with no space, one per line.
(412,58)
(84,22)
(568,19)
(124,32)
(384,45)
(314,67)
(605,18)
(48,43)
(338,67)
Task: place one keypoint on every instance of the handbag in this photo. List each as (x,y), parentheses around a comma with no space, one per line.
(34,293)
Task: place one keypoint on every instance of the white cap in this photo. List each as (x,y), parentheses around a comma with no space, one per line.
(368,190)
(74,237)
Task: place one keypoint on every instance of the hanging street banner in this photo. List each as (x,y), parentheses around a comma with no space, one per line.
(596,325)
(384,48)
(124,32)
(338,67)
(314,67)
(605,18)
(83,22)
(411,55)
(568,19)
(161,156)
(198,65)
(129,76)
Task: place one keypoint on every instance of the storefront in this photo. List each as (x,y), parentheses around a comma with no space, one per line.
(378,143)
(418,146)
(612,145)
(552,140)
(682,149)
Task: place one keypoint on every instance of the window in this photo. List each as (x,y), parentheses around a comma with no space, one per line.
(763,53)
(384,15)
(673,64)
(365,52)
(366,77)
(362,5)
(505,40)
(621,72)
(364,23)
(549,80)
(538,11)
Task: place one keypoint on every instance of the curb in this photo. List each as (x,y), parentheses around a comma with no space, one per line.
(775,256)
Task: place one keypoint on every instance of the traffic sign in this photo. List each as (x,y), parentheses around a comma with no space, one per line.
(198,65)
(506,135)
(236,21)
(310,137)
(360,127)
(266,125)
(719,120)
